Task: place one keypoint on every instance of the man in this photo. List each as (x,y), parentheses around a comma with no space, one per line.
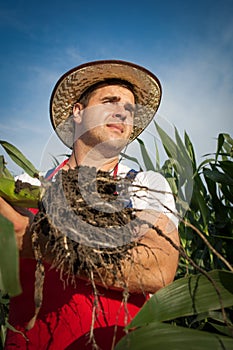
(97,109)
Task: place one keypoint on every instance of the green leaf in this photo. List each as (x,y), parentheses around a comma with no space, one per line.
(157,156)
(161,336)
(190,150)
(20,159)
(172,184)
(228,139)
(198,201)
(227,192)
(227,167)
(220,144)
(133,159)
(183,155)
(4,172)
(168,144)
(27,197)
(146,159)
(221,328)
(217,176)
(187,296)
(178,154)
(206,161)
(9,269)
(227,146)
(221,211)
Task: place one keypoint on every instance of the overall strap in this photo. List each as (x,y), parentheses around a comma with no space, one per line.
(50,173)
(131,175)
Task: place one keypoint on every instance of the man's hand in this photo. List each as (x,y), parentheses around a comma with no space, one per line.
(20,219)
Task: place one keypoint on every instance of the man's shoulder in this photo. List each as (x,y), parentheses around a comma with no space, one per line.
(152,177)
(148,176)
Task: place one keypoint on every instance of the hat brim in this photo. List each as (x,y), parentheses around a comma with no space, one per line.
(72,84)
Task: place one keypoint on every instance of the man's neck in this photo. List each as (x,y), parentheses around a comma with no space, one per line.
(92,158)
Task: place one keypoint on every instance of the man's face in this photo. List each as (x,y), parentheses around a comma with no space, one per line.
(108,117)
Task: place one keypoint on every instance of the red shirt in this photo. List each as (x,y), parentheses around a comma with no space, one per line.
(64,321)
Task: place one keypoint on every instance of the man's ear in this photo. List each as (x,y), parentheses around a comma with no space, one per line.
(77,112)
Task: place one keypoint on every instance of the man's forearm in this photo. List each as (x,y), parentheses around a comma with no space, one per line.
(20,223)
(150,265)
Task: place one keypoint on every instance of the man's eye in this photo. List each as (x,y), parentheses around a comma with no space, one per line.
(108,101)
(129,108)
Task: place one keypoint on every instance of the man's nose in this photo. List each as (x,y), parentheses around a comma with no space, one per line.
(120,113)
(120,116)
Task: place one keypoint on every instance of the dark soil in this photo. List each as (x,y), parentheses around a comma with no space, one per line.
(19,185)
(87,221)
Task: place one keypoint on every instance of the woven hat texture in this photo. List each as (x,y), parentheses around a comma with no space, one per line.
(72,84)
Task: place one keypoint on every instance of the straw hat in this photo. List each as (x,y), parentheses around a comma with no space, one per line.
(71,85)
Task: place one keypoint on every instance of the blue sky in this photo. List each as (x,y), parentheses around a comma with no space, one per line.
(187,44)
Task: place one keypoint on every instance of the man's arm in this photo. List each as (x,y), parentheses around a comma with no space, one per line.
(21,220)
(153,262)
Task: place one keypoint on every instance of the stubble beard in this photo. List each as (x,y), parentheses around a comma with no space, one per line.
(106,147)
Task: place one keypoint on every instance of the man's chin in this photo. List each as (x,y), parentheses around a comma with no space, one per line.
(111,148)
(115,143)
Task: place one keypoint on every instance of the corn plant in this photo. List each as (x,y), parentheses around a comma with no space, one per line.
(204,198)
(196,310)
(26,197)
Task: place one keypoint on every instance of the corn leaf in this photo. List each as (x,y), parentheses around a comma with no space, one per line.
(19,159)
(161,336)
(27,197)
(187,296)
(227,167)
(190,150)
(183,156)
(133,159)
(146,159)
(204,162)
(217,176)
(198,202)
(168,144)
(228,139)
(9,269)
(219,146)
(227,192)
(174,153)
(4,172)
(157,159)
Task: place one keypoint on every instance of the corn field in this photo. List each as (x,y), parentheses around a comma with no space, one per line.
(196,310)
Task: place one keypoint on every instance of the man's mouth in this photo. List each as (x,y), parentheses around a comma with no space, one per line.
(118,127)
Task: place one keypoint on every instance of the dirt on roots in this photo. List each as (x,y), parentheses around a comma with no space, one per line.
(87,213)
(85,218)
